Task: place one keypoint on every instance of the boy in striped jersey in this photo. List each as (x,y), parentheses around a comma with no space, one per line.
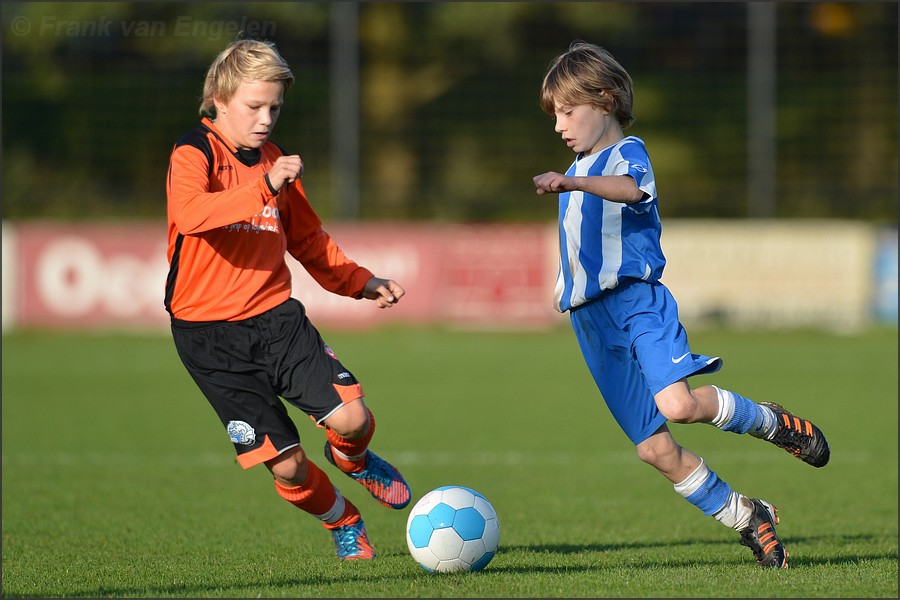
(236,207)
(625,320)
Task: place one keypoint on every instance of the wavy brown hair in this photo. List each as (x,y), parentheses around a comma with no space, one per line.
(588,74)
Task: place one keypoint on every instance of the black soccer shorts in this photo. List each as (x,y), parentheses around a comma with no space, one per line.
(245,368)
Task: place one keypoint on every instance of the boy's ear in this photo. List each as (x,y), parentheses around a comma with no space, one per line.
(220,106)
(608,105)
(602,107)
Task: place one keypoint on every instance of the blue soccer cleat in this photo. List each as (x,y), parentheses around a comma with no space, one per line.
(383,481)
(352,543)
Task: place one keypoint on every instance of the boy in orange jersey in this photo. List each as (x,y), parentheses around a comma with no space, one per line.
(235,206)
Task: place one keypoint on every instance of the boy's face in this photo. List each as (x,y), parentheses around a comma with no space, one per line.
(586,128)
(248,118)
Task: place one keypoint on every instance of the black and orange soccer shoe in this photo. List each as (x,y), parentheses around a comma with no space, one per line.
(760,536)
(799,437)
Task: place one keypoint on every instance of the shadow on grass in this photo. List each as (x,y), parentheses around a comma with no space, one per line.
(365,577)
(579,548)
(795,561)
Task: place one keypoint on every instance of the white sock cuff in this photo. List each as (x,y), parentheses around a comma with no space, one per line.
(767,425)
(340,454)
(336,511)
(726,407)
(693,481)
(736,513)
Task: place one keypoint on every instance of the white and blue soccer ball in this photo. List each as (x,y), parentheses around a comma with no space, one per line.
(452,528)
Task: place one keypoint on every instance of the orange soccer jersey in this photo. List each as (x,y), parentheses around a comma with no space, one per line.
(228,233)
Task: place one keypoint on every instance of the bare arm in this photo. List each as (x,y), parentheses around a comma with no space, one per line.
(615,188)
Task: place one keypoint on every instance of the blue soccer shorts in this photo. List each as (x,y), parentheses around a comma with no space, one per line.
(635,346)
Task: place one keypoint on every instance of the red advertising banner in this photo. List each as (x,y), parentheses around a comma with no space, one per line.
(113,275)
(96,275)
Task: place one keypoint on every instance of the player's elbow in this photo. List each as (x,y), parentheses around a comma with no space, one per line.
(187,226)
(636,195)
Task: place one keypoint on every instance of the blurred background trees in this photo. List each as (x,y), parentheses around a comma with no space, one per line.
(449,128)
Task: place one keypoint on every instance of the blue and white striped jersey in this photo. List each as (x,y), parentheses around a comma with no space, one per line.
(602,242)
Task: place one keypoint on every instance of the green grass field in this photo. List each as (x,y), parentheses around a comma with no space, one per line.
(118,480)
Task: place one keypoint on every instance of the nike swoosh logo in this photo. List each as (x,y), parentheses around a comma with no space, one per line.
(680,358)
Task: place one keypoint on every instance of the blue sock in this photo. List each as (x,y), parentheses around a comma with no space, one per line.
(704,489)
(736,413)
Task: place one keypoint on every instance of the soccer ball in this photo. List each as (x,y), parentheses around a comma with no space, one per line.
(452,528)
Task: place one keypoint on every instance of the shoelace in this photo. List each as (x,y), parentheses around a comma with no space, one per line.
(348,539)
(759,544)
(747,540)
(377,470)
(795,439)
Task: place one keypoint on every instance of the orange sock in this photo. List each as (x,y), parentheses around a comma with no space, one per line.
(320,498)
(350,455)
(348,517)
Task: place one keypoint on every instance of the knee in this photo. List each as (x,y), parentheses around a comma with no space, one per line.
(647,453)
(291,468)
(678,408)
(351,421)
(657,453)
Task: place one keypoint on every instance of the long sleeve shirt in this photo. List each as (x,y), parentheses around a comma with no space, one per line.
(228,233)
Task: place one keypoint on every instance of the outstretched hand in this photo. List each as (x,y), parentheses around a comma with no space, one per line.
(386,292)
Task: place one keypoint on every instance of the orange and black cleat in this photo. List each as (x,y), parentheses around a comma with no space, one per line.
(760,536)
(799,437)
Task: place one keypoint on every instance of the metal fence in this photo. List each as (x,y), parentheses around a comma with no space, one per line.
(428,111)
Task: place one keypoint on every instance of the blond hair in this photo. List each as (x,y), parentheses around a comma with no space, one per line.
(242,60)
(588,74)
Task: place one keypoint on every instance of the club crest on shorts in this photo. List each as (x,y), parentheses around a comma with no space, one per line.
(240,432)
